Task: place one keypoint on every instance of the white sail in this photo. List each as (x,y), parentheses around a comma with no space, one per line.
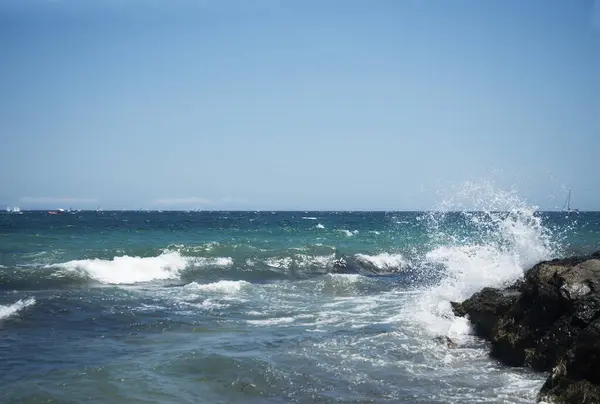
(567,205)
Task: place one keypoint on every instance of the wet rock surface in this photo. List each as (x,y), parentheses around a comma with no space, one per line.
(549,321)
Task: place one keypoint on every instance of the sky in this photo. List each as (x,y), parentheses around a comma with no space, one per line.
(296,105)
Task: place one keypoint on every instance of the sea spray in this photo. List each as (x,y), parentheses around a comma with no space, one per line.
(482,236)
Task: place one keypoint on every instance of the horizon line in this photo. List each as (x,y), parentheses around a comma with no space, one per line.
(295,210)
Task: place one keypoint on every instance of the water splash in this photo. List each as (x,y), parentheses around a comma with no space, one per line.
(481,236)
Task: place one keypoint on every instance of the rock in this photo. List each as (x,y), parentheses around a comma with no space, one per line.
(576,377)
(568,391)
(446,341)
(485,308)
(550,322)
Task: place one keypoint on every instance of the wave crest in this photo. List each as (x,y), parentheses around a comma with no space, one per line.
(129,270)
(7,311)
(383,262)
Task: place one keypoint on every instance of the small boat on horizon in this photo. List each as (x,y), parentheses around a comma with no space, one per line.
(56,212)
(567,205)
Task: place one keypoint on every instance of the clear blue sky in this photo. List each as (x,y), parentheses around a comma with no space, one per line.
(283,104)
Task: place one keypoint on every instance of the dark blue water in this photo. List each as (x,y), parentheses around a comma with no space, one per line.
(142,307)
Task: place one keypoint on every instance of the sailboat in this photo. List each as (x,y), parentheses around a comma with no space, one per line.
(567,205)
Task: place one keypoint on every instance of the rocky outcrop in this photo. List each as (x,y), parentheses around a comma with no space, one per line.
(446,341)
(550,321)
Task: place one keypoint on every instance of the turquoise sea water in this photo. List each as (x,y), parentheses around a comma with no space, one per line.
(228,307)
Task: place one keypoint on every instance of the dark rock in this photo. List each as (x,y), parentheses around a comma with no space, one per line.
(550,321)
(445,341)
(584,361)
(567,391)
(485,308)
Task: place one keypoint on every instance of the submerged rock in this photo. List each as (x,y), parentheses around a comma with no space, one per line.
(550,322)
(445,341)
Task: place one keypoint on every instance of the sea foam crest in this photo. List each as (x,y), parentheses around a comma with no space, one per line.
(9,310)
(213,261)
(301,261)
(489,241)
(348,232)
(382,262)
(129,270)
(225,287)
(318,261)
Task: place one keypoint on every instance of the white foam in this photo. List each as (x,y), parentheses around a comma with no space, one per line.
(348,232)
(272,321)
(149,308)
(7,311)
(459,328)
(213,261)
(255,313)
(225,287)
(320,261)
(309,218)
(319,226)
(347,278)
(130,270)
(506,239)
(283,263)
(383,261)
(206,247)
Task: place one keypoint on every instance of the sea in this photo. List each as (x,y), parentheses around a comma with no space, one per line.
(266,307)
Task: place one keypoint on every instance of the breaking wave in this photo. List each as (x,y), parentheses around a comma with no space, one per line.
(129,270)
(489,243)
(10,310)
(383,262)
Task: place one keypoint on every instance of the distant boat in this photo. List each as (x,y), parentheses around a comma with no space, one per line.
(567,205)
(15,211)
(57,212)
